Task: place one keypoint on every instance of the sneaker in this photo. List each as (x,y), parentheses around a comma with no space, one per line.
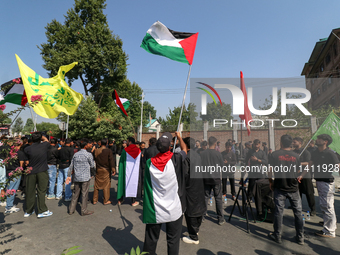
(26,215)
(3,203)
(323,234)
(50,197)
(221,222)
(274,238)
(68,199)
(45,214)
(135,203)
(300,242)
(14,209)
(187,239)
(58,198)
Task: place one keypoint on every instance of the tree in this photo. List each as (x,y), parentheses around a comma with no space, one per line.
(18,126)
(189,118)
(216,111)
(29,126)
(85,38)
(89,122)
(50,128)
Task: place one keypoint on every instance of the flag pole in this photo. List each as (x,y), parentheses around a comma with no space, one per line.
(180,115)
(16,116)
(35,127)
(141,120)
(68,118)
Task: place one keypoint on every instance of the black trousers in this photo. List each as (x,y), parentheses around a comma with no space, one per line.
(173,236)
(193,225)
(36,184)
(306,187)
(232,184)
(218,199)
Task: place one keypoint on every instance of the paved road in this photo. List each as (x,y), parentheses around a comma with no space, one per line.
(106,232)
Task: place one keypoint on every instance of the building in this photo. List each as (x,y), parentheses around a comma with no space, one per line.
(152,125)
(322,72)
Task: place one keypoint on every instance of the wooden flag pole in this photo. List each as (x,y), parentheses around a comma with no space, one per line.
(180,115)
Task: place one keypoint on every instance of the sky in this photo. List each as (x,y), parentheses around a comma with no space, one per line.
(264,39)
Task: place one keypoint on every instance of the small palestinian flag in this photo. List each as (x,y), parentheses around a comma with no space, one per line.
(13,92)
(161,201)
(128,172)
(178,46)
(122,103)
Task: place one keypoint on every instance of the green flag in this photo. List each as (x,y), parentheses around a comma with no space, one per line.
(331,126)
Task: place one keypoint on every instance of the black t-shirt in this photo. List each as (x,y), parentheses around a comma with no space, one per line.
(257,172)
(324,165)
(211,158)
(37,156)
(305,157)
(286,165)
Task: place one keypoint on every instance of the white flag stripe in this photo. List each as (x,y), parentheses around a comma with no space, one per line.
(162,35)
(131,175)
(165,193)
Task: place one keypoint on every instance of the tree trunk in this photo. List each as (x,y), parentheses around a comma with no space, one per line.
(84,84)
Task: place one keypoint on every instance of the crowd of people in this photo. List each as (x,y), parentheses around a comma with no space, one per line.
(166,182)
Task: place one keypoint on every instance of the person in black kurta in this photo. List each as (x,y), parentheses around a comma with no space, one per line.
(195,199)
(229,159)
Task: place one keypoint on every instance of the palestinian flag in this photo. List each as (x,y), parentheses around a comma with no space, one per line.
(178,46)
(122,103)
(13,92)
(128,172)
(161,200)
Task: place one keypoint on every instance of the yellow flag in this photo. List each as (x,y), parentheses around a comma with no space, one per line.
(56,94)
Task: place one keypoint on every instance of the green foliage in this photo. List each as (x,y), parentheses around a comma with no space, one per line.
(18,126)
(29,126)
(189,118)
(136,252)
(90,122)
(85,38)
(51,128)
(216,111)
(71,251)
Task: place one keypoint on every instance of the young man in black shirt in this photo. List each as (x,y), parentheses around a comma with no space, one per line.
(285,163)
(229,160)
(37,180)
(52,161)
(65,155)
(323,163)
(306,186)
(212,159)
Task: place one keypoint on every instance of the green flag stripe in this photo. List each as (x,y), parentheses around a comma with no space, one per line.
(12,98)
(121,175)
(152,46)
(149,213)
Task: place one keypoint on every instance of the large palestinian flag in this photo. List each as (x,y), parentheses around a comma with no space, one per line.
(128,172)
(13,92)
(178,46)
(161,200)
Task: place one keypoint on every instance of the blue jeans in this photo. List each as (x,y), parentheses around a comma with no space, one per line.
(2,174)
(52,173)
(61,179)
(13,184)
(295,201)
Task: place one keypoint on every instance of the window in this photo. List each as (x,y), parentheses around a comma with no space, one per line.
(332,101)
(330,80)
(319,92)
(324,87)
(322,68)
(335,50)
(328,59)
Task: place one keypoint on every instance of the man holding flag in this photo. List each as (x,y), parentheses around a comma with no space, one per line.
(324,162)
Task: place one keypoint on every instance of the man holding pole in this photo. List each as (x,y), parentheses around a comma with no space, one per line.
(323,163)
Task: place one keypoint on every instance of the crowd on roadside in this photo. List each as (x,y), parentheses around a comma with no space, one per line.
(167,189)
